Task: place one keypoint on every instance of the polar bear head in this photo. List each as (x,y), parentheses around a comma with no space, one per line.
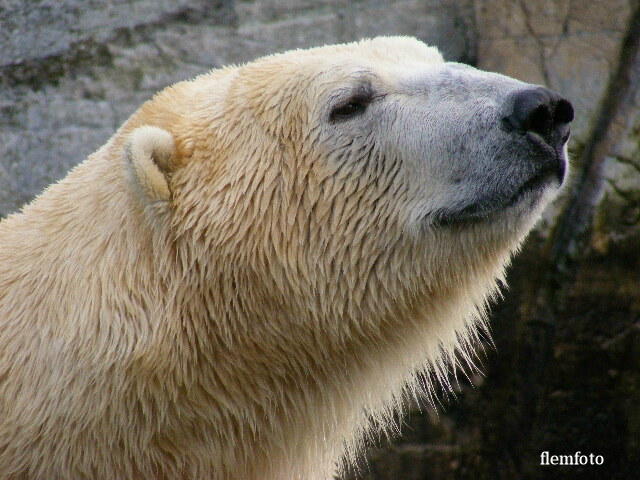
(331,161)
(348,209)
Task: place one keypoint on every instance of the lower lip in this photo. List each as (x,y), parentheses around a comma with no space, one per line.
(535,183)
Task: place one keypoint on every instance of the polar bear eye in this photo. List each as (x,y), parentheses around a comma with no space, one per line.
(353,106)
(347,110)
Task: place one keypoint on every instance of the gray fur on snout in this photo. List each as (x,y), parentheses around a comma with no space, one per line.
(476,168)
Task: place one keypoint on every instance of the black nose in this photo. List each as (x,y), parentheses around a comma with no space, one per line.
(541,111)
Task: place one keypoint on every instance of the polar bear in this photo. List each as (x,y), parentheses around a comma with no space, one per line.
(255,269)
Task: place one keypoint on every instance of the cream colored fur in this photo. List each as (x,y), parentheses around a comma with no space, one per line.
(149,153)
(220,292)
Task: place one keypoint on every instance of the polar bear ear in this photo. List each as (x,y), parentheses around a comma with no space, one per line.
(149,152)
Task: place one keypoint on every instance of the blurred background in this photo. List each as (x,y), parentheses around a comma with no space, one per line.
(564,374)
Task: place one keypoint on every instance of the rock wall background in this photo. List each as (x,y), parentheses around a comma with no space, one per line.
(564,374)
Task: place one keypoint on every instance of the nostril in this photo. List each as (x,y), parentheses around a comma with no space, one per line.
(539,121)
(564,111)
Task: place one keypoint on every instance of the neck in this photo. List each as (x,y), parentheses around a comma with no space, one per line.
(291,384)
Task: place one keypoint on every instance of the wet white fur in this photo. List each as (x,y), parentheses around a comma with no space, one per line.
(223,291)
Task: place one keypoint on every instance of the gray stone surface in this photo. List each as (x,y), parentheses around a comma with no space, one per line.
(72,71)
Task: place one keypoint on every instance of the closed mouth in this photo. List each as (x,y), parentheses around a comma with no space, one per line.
(480,211)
